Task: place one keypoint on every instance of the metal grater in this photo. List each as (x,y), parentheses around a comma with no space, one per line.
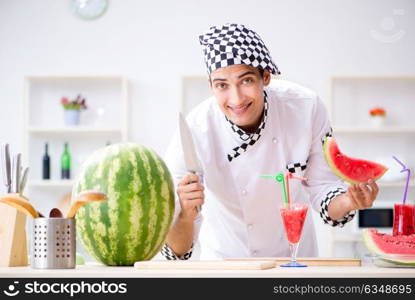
(53,243)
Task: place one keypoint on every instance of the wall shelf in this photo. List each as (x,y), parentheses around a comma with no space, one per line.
(400,184)
(51,183)
(104,121)
(368,130)
(348,238)
(75,129)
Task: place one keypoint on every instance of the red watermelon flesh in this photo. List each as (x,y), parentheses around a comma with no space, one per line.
(382,243)
(398,249)
(352,170)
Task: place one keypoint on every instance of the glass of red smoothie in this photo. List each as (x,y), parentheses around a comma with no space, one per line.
(293,217)
(404,219)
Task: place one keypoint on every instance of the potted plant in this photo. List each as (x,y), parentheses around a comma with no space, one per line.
(378,115)
(72,109)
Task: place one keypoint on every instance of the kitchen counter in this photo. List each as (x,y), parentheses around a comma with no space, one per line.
(101,271)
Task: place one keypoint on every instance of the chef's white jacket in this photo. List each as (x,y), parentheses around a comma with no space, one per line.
(241,217)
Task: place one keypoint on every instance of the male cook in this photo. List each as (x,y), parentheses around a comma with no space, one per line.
(253,125)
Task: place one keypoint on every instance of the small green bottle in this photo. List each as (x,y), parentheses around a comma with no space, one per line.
(66,163)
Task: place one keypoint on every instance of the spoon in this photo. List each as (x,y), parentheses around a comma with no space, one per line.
(83,198)
(20,204)
(55,213)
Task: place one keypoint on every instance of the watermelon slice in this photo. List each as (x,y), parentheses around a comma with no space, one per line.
(352,170)
(394,249)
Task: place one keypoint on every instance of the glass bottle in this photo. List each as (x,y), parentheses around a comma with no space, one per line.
(66,163)
(46,163)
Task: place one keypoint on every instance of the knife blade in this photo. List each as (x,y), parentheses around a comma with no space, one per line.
(191,160)
(190,156)
(7,176)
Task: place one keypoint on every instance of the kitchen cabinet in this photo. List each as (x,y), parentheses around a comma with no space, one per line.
(104,121)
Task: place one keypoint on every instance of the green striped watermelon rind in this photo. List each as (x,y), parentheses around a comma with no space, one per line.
(102,226)
(328,141)
(400,259)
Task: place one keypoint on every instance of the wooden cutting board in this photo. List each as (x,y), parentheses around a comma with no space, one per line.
(309,261)
(206,265)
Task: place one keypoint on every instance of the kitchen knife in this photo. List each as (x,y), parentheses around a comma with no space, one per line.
(23,181)
(6,167)
(190,157)
(16,173)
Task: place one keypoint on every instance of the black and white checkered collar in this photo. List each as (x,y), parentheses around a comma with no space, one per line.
(248,139)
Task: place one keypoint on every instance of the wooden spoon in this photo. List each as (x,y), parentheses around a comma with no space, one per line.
(18,202)
(83,198)
(55,213)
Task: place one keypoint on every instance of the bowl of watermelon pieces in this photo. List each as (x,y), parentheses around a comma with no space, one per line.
(392,260)
(387,250)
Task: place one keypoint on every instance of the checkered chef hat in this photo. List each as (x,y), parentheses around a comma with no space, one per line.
(234,44)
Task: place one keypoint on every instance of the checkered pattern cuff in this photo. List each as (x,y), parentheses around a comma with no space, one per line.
(296,167)
(324,210)
(248,139)
(170,255)
(234,44)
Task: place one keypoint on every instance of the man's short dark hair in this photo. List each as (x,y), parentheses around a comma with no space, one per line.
(260,70)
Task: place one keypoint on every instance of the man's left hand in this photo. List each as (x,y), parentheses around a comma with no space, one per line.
(362,195)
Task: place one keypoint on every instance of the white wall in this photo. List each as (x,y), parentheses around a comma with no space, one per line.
(154,43)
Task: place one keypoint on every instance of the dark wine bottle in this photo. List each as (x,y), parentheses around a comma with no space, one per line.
(46,163)
(66,163)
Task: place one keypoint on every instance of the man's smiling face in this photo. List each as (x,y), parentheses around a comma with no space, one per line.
(239,90)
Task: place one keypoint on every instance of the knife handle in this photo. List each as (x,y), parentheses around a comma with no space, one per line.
(16,178)
(22,183)
(6,167)
(201,181)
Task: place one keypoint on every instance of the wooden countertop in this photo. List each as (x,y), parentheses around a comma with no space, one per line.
(97,270)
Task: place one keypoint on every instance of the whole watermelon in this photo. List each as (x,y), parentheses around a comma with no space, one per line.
(133,224)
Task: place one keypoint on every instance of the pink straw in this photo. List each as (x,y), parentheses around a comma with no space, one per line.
(404,169)
(289,176)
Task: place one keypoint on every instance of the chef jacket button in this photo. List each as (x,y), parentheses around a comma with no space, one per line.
(244,192)
(254,252)
(250,226)
(274,140)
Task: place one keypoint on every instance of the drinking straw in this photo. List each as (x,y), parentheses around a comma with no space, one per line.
(404,169)
(287,182)
(289,176)
(279,178)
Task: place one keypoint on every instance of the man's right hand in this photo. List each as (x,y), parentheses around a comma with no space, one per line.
(191,195)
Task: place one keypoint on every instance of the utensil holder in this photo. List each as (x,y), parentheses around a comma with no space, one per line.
(13,239)
(53,243)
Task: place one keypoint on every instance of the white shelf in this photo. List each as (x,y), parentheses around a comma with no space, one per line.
(394,130)
(395,184)
(74,129)
(74,77)
(347,237)
(50,183)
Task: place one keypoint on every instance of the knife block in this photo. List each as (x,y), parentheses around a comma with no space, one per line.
(13,241)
